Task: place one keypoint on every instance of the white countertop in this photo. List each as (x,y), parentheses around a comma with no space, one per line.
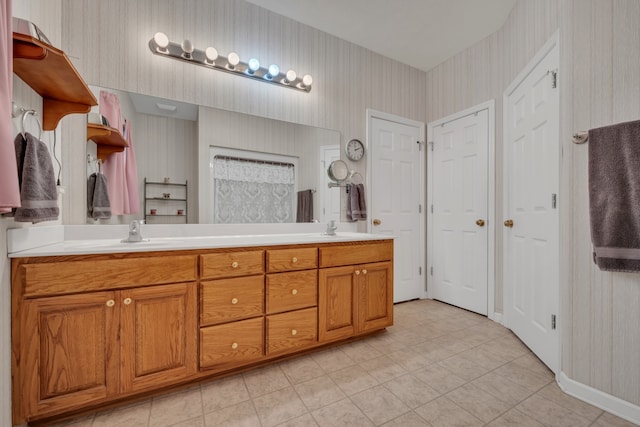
(50,241)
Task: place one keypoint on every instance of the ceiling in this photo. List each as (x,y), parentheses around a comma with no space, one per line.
(420,33)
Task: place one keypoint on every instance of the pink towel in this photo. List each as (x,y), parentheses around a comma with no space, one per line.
(9,190)
(114,168)
(131,171)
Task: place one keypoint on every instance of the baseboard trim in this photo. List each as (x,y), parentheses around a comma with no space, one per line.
(602,400)
(497,317)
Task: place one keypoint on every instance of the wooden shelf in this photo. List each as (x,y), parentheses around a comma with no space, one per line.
(51,74)
(109,140)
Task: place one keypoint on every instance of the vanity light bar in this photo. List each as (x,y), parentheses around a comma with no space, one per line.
(209,58)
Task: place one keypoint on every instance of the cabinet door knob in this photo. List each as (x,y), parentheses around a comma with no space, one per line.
(127,301)
(234,301)
(294,292)
(234,345)
(357,272)
(111,303)
(364,271)
(294,332)
(377,222)
(294,260)
(234,264)
(480,223)
(508,223)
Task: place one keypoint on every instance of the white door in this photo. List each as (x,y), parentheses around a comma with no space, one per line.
(329,197)
(531,219)
(459,184)
(396,165)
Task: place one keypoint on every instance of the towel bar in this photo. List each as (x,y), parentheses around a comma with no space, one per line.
(580,137)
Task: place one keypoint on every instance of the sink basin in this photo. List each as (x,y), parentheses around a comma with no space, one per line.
(109,243)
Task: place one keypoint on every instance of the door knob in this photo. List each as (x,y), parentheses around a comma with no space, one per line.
(480,223)
(377,222)
(508,223)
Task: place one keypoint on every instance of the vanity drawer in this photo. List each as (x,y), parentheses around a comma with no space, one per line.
(226,300)
(227,346)
(287,331)
(66,277)
(360,253)
(291,291)
(231,264)
(291,259)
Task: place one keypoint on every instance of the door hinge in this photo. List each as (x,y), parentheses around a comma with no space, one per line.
(554,78)
(553,321)
(419,208)
(420,270)
(431,208)
(554,200)
(431,143)
(431,270)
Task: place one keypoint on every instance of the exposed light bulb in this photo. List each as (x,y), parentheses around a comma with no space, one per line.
(187,48)
(274,70)
(161,40)
(233,59)
(211,53)
(254,65)
(290,76)
(307,80)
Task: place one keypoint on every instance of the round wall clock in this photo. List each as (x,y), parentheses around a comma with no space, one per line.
(354,150)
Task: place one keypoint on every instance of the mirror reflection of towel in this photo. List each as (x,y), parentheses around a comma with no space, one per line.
(305,206)
(98,204)
(356,205)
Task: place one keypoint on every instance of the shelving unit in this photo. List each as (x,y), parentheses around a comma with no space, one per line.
(108,140)
(51,74)
(166,208)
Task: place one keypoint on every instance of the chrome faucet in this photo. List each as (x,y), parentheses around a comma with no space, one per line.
(331,228)
(135,232)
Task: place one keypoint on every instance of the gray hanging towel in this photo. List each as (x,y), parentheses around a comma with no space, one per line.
(356,206)
(614,196)
(98,205)
(305,206)
(38,193)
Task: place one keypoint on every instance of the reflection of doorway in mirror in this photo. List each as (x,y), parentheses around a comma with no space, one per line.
(330,197)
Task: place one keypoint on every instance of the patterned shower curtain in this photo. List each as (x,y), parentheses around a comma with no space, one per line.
(250,191)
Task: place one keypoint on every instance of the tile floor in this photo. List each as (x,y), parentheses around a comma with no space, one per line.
(437,366)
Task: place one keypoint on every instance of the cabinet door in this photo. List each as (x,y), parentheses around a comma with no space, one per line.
(70,351)
(375,296)
(337,316)
(158,332)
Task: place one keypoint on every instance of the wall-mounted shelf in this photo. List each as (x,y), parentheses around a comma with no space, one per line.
(166,209)
(51,74)
(107,139)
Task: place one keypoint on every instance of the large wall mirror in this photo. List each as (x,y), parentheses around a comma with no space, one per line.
(227,157)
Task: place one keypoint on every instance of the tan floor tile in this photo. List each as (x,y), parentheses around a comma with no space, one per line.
(532,363)
(382,368)
(341,414)
(319,392)
(441,348)
(279,406)
(353,380)
(171,409)
(610,420)
(470,338)
(502,388)
(523,376)
(410,359)
(240,415)
(84,421)
(551,414)
(304,421)
(412,391)
(360,351)
(478,403)
(193,422)
(464,368)
(332,359)
(553,393)
(301,369)
(132,416)
(444,413)
(222,393)
(407,337)
(379,404)
(266,380)
(514,418)
(509,346)
(439,378)
(484,357)
(410,419)
(385,344)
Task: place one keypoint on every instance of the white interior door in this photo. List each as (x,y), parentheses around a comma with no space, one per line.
(329,197)
(459,184)
(531,219)
(396,165)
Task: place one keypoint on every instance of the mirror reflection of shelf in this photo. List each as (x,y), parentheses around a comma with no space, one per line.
(165,202)
(108,140)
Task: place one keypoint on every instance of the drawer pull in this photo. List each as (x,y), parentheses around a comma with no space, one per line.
(111,303)
(234,345)
(234,264)
(234,301)
(294,292)
(127,301)
(294,332)
(364,271)
(294,260)
(357,272)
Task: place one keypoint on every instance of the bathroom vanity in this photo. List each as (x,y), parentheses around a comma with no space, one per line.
(99,323)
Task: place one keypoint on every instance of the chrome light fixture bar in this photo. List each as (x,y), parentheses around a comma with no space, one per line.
(209,58)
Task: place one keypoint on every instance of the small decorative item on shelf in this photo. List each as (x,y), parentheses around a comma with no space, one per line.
(167,180)
(166,195)
(180,211)
(153,211)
